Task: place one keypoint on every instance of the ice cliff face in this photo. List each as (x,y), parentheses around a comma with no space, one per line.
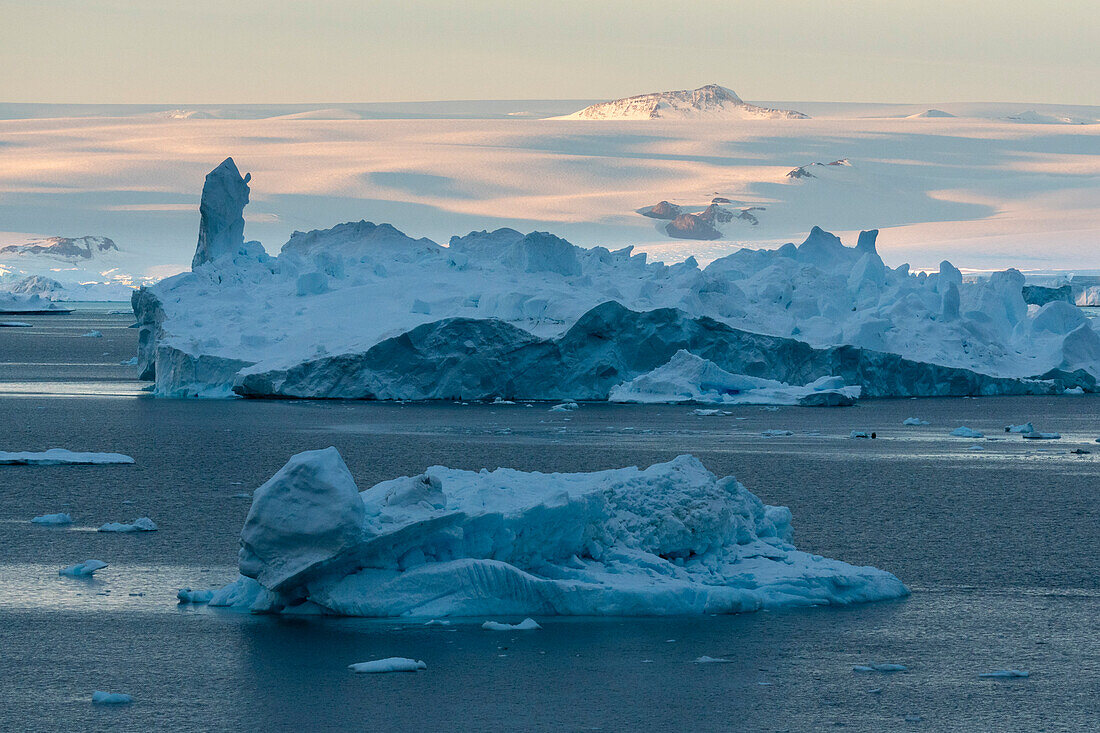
(708,102)
(668,539)
(221,229)
(361,310)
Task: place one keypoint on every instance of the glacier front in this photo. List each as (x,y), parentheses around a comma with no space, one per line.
(668,539)
(363,311)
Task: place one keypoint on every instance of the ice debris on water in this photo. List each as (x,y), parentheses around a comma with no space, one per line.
(53,520)
(527,624)
(701,412)
(111,698)
(669,539)
(862,434)
(1003,674)
(777,433)
(142,524)
(59,457)
(710,660)
(879,667)
(565,407)
(914,421)
(1022,428)
(390,664)
(92,335)
(82,569)
(965,432)
(1036,435)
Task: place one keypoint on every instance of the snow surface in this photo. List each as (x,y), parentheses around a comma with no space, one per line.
(689,378)
(142,524)
(53,520)
(60,456)
(391,664)
(83,569)
(669,539)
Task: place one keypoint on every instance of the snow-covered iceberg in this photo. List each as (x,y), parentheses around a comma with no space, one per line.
(689,378)
(363,311)
(668,539)
(60,457)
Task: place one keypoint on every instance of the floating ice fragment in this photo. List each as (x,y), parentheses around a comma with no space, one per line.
(143,524)
(862,434)
(1036,435)
(198,597)
(53,520)
(132,361)
(1003,674)
(914,421)
(437,622)
(879,667)
(965,432)
(711,660)
(1023,428)
(92,335)
(565,407)
(527,624)
(1074,390)
(391,664)
(59,456)
(709,413)
(776,433)
(83,569)
(111,698)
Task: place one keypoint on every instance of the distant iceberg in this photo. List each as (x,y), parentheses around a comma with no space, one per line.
(363,311)
(668,539)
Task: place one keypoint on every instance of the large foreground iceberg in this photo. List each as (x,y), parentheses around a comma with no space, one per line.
(669,539)
(363,311)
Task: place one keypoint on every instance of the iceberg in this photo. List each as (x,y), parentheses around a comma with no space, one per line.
(111,698)
(914,422)
(59,457)
(669,539)
(689,378)
(965,432)
(527,624)
(53,520)
(392,664)
(363,311)
(143,524)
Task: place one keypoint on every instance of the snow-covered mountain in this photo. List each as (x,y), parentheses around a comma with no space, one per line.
(709,102)
(69,268)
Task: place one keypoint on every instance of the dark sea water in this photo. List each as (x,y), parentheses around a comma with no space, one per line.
(1000,547)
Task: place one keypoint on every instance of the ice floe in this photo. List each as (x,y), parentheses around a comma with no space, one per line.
(111,698)
(669,539)
(879,667)
(142,524)
(60,456)
(965,432)
(53,520)
(82,569)
(391,664)
(914,421)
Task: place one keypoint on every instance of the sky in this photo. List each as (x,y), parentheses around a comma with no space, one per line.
(277,51)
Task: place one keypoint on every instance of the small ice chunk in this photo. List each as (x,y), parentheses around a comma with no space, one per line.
(1004,674)
(1023,428)
(701,412)
(776,433)
(965,432)
(1074,390)
(710,660)
(186,595)
(132,361)
(390,664)
(437,622)
(111,698)
(527,624)
(92,335)
(879,667)
(1036,435)
(862,434)
(914,421)
(82,569)
(53,520)
(142,524)
(975,447)
(565,407)
(58,457)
